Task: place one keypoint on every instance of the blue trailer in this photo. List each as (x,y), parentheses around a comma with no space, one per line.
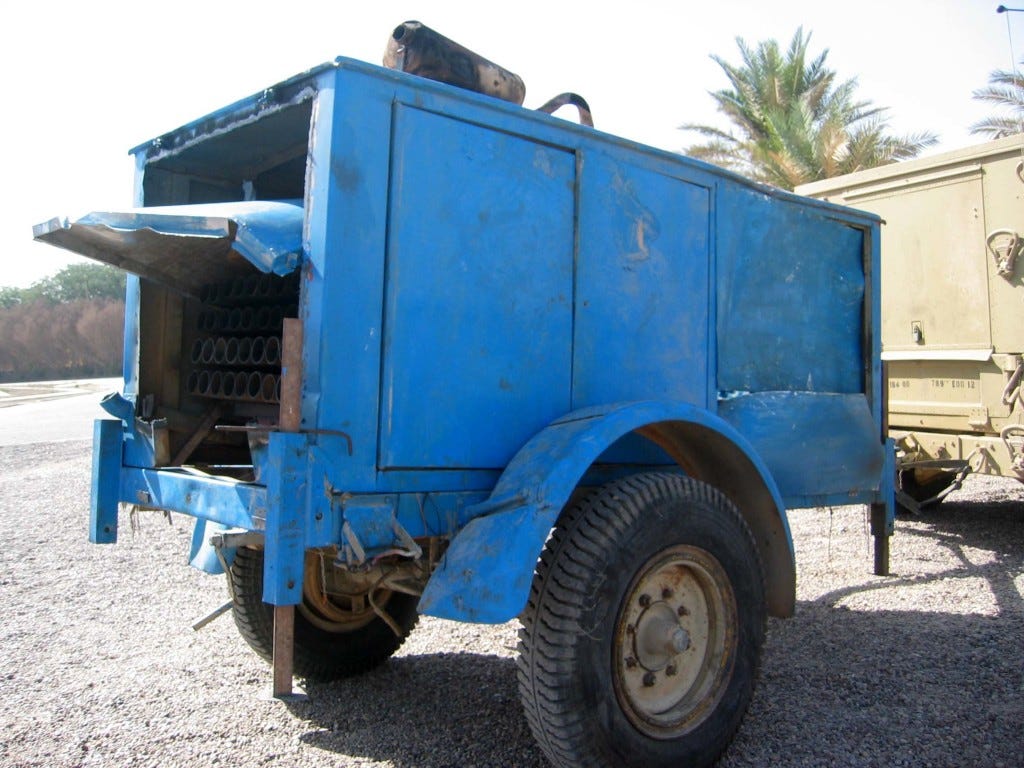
(400,348)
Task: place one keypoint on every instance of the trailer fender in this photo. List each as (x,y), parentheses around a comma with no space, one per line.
(485,575)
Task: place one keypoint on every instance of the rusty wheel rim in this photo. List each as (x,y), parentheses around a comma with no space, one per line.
(332,602)
(674,639)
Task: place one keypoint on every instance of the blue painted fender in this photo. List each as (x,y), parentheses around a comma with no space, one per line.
(485,575)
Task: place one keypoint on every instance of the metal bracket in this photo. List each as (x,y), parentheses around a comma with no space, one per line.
(963,469)
(236,537)
(372,531)
(1016,453)
(1005,253)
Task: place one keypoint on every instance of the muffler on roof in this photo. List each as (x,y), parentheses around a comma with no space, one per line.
(419,50)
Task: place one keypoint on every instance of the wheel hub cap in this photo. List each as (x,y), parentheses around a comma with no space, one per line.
(674,641)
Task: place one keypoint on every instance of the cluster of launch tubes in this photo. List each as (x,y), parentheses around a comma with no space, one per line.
(237,352)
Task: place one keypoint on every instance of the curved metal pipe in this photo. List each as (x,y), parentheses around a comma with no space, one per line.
(569,99)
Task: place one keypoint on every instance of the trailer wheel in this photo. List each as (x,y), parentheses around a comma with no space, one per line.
(335,636)
(641,641)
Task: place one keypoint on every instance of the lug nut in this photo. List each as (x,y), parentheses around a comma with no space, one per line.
(666,593)
(645,600)
(649,679)
(630,629)
(630,662)
(670,670)
(681,611)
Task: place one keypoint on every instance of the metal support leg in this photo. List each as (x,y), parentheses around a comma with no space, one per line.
(881,529)
(106,480)
(284,551)
(284,644)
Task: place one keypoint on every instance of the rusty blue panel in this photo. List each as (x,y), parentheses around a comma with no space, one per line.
(790,297)
(642,286)
(238,505)
(478,320)
(106,480)
(284,537)
(130,349)
(184,247)
(486,573)
(346,199)
(814,444)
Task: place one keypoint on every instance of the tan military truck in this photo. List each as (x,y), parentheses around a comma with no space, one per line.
(952,310)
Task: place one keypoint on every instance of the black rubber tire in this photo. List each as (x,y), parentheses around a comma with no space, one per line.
(598,550)
(319,654)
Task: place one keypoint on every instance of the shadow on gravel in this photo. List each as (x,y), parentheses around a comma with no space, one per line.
(962,528)
(937,687)
(429,711)
(842,687)
(839,686)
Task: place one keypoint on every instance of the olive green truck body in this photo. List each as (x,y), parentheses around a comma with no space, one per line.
(952,300)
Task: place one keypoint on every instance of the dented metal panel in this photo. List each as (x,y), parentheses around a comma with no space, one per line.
(466,274)
(186,248)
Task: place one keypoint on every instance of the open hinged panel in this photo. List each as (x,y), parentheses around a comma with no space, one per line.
(218,250)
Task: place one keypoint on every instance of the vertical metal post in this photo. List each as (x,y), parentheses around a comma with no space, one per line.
(883,513)
(284,648)
(882,532)
(291,376)
(106,480)
(290,420)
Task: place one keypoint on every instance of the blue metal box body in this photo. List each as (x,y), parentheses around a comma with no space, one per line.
(496,307)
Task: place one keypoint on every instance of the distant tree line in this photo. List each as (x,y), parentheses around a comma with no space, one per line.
(68,325)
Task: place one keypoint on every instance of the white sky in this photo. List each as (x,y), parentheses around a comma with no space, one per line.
(86,81)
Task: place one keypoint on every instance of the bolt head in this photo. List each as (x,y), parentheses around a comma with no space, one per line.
(630,629)
(630,662)
(649,679)
(680,640)
(645,600)
(670,670)
(666,593)
(681,611)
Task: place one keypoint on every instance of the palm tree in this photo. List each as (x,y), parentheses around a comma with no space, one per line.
(1005,89)
(793,122)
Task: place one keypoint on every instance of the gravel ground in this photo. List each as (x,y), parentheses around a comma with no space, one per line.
(99,665)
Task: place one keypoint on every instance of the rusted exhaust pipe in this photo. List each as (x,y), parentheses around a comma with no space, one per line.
(419,50)
(569,99)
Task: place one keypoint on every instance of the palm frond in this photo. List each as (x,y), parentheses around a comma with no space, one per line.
(793,120)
